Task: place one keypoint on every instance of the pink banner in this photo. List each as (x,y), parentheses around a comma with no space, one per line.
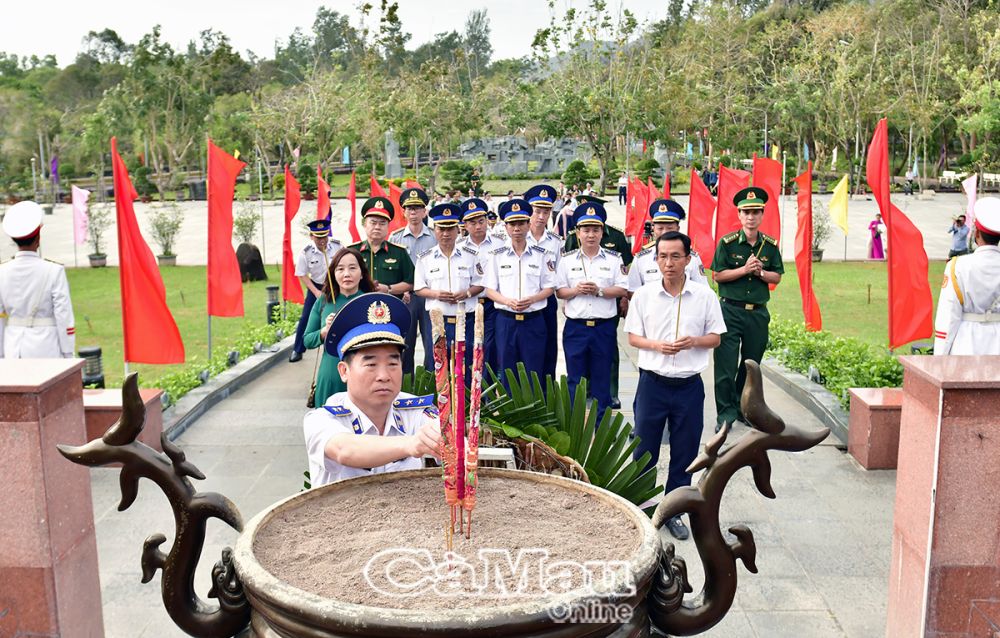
(80,197)
(969,186)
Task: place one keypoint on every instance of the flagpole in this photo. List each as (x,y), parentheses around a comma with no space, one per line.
(784,235)
(260,191)
(209,337)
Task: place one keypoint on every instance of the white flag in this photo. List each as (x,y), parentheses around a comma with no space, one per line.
(969,186)
(80,197)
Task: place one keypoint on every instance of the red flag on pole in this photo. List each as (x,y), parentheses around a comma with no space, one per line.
(635,207)
(322,194)
(803,251)
(410,183)
(731,181)
(376,189)
(352,196)
(291,289)
(701,211)
(666,185)
(767,175)
(640,215)
(225,284)
(399,219)
(149,332)
(653,193)
(911,306)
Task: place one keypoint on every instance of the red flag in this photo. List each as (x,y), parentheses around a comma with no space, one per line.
(731,181)
(640,215)
(803,251)
(410,183)
(322,194)
(636,206)
(666,185)
(654,194)
(376,189)
(149,331)
(352,196)
(701,210)
(225,284)
(910,302)
(291,289)
(767,175)
(399,219)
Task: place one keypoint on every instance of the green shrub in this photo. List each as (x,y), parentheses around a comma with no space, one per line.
(842,362)
(645,169)
(365,169)
(576,174)
(279,181)
(460,175)
(306,176)
(140,180)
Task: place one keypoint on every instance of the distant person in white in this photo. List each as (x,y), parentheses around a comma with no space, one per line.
(675,323)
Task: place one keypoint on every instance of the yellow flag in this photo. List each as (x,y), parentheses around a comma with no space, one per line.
(775,152)
(236,153)
(838,204)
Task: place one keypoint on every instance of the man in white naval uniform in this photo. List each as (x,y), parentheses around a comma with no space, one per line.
(36,314)
(666,215)
(371,428)
(968,314)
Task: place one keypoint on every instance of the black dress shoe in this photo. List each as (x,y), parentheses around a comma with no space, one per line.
(677,528)
(616,404)
(295,356)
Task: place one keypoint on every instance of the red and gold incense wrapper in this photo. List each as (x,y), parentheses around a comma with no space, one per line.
(442,376)
(459,400)
(471,469)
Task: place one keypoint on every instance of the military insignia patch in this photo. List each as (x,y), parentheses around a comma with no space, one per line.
(624,270)
(515,208)
(944,282)
(662,208)
(552,265)
(378,313)
(479,269)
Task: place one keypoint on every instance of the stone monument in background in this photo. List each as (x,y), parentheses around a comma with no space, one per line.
(393,167)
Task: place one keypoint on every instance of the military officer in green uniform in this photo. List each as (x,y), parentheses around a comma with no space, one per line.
(745,262)
(613,239)
(388,264)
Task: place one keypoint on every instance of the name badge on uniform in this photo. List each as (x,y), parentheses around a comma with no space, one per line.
(434,270)
(533,266)
(390,261)
(575,269)
(505,266)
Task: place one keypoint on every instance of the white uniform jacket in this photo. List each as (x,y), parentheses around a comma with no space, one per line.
(36,314)
(968,313)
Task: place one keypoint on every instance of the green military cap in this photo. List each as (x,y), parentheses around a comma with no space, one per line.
(414,197)
(378,206)
(751,197)
(583,199)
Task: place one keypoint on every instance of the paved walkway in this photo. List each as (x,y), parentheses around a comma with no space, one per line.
(823,547)
(931,216)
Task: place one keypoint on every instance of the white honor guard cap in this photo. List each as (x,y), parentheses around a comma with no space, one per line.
(23,220)
(987,215)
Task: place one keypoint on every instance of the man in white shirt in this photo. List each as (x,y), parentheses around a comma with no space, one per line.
(591,279)
(541,198)
(519,280)
(371,428)
(475,219)
(448,276)
(622,189)
(312,269)
(675,323)
(666,216)
(36,313)
(968,313)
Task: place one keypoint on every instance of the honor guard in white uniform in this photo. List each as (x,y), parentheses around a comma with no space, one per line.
(541,198)
(591,279)
(475,219)
(312,269)
(519,280)
(666,215)
(372,428)
(448,276)
(36,314)
(968,314)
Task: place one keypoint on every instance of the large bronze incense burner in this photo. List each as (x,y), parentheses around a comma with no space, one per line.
(252,600)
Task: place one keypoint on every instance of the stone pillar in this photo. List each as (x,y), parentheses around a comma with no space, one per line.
(49,582)
(945,573)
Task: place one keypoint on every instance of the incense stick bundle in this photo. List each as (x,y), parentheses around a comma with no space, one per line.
(471,469)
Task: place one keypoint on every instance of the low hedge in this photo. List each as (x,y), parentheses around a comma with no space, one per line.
(842,362)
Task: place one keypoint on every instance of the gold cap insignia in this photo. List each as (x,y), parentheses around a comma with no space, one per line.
(515,208)
(751,195)
(378,312)
(414,194)
(446,213)
(472,205)
(662,208)
(378,202)
(543,193)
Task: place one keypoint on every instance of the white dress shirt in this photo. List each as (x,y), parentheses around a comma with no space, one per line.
(551,242)
(311,261)
(343,417)
(36,314)
(604,269)
(656,314)
(454,273)
(518,277)
(968,313)
(490,242)
(645,270)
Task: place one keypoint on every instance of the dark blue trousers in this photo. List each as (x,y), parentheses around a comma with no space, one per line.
(679,406)
(418,317)
(300,329)
(519,341)
(470,334)
(551,314)
(489,334)
(590,353)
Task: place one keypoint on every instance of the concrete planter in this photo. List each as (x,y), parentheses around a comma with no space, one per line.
(98,261)
(166,260)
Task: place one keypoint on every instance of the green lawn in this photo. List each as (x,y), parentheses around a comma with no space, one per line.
(97,305)
(843,293)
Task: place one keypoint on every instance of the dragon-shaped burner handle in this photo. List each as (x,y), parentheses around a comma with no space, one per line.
(192,510)
(668,611)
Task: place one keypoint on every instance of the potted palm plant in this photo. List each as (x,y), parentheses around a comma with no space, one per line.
(165,223)
(821,230)
(98,223)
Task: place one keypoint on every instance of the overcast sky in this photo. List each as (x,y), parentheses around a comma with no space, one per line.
(58,26)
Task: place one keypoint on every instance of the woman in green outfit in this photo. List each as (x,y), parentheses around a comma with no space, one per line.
(348,278)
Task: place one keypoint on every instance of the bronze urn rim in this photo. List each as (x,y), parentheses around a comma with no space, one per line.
(268,592)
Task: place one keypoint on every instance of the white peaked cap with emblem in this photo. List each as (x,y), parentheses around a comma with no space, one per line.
(22,220)
(987,215)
